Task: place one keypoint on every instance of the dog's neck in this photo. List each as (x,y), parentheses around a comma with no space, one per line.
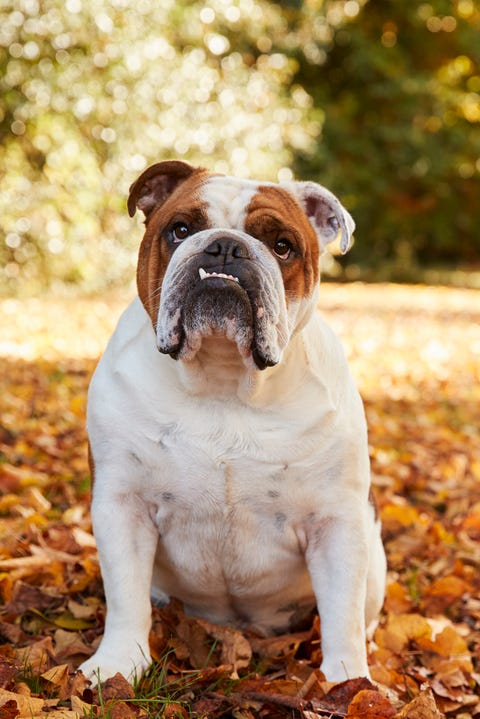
(218,371)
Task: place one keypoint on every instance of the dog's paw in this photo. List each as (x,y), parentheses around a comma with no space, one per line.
(105,664)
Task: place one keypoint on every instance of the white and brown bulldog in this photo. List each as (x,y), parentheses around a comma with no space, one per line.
(229,443)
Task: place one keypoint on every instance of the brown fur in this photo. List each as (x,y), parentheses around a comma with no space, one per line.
(154,255)
(274,214)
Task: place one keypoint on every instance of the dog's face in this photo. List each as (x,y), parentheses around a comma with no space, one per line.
(231,257)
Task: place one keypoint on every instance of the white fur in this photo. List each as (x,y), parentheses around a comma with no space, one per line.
(227,199)
(238,491)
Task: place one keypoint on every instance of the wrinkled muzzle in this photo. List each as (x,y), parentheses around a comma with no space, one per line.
(224,283)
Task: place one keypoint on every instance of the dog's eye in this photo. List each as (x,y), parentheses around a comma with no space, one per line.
(283,248)
(180,231)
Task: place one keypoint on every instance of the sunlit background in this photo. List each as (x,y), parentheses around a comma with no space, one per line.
(378,100)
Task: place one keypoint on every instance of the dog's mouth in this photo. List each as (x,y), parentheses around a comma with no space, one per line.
(222,304)
(235,297)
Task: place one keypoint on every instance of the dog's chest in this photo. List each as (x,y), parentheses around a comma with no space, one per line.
(227,469)
(230,505)
(216,480)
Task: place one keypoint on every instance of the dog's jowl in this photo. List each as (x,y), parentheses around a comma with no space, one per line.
(228,441)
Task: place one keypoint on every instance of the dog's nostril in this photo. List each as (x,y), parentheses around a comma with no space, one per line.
(228,248)
(240,251)
(214,249)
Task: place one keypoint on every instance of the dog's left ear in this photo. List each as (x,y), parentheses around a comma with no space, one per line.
(327,215)
(155,184)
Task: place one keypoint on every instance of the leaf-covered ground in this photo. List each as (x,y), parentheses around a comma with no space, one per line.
(415,353)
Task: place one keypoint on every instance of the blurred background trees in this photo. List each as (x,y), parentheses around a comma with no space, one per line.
(377,99)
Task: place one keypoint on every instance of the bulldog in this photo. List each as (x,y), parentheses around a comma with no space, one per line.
(228,441)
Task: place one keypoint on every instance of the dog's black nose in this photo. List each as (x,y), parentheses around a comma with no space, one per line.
(228,248)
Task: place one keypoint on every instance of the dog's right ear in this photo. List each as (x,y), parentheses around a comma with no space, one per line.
(155,184)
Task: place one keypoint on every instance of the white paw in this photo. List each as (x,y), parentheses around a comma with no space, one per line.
(105,664)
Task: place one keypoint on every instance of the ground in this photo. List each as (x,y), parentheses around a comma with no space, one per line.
(415,353)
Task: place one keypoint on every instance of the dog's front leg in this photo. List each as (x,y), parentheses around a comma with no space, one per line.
(337,558)
(126,541)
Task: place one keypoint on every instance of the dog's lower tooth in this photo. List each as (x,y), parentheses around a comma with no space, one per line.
(202,273)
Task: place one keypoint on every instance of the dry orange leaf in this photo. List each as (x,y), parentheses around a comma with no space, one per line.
(397,599)
(421,707)
(81,708)
(28,706)
(370,704)
(57,675)
(443,592)
(403,514)
(447,644)
(400,630)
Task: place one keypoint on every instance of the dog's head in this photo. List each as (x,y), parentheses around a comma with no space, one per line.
(231,257)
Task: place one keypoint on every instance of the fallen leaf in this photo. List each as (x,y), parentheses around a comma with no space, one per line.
(194,642)
(58,676)
(443,592)
(28,706)
(117,687)
(80,707)
(66,620)
(10,709)
(448,643)
(340,695)
(397,599)
(69,644)
(173,710)
(82,611)
(370,704)
(421,707)
(119,710)
(280,646)
(208,706)
(7,673)
(37,655)
(236,649)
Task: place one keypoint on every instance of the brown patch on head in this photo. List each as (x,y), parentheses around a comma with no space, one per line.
(273,215)
(182,206)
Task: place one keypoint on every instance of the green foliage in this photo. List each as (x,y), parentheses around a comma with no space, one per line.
(378,100)
(94,92)
(400,89)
